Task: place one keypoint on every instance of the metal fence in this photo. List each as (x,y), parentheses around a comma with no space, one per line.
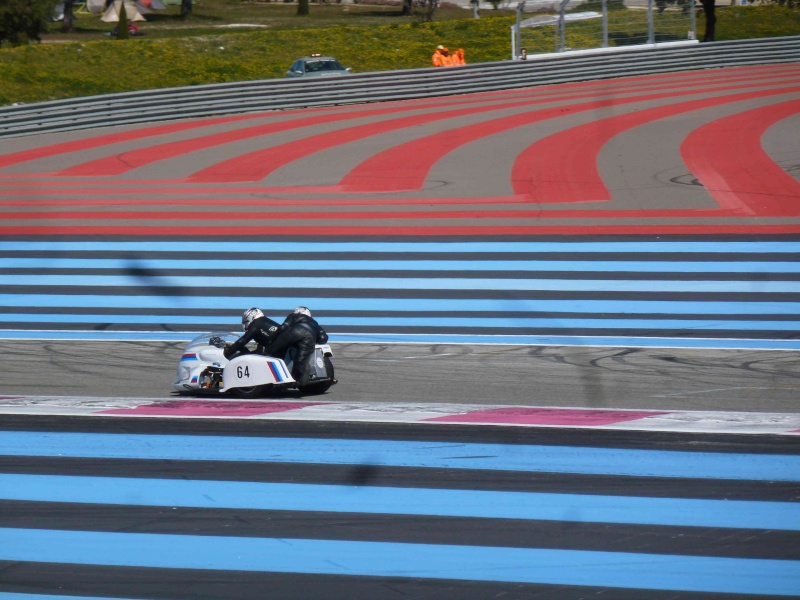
(150,106)
(601,24)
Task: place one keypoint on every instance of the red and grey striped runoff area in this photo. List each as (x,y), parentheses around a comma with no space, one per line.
(653,210)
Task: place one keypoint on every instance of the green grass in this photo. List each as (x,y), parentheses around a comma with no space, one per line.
(204,49)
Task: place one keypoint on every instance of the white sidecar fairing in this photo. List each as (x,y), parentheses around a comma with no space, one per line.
(244,371)
(203,368)
(198,355)
(251,370)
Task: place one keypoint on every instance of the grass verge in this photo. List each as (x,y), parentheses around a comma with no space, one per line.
(207,48)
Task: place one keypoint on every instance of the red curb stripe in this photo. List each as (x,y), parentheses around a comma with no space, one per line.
(252,216)
(727,157)
(115,138)
(167,188)
(85,144)
(126,161)
(421,230)
(121,163)
(230,202)
(564,165)
(416,158)
(255,166)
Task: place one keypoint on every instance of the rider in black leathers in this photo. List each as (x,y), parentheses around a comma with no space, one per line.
(257,328)
(301,331)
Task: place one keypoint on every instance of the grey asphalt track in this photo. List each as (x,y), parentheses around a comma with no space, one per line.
(590,377)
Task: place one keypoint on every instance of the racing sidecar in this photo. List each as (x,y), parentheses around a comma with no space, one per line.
(204,370)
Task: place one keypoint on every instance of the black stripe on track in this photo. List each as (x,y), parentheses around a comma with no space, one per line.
(196,328)
(197,584)
(406,529)
(566,255)
(323,275)
(233,315)
(488,434)
(409,477)
(371,293)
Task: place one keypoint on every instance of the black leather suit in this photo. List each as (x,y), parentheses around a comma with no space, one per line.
(261,330)
(303,333)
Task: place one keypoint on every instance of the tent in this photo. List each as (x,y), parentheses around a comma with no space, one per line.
(96,7)
(131,10)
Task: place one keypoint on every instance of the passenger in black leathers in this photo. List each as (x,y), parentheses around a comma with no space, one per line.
(257,328)
(302,332)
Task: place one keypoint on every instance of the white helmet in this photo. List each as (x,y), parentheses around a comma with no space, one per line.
(250,315)
(302,310)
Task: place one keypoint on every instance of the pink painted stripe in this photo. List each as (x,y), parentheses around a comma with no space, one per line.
(210,408)
(548,416)
(563,167)
(727,157)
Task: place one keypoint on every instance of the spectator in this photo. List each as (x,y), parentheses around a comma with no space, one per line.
(441,58)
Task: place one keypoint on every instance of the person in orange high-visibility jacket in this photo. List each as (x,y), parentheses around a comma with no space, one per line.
(458,57)
(441,58)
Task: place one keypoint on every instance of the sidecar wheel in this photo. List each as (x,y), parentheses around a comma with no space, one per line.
(255,391)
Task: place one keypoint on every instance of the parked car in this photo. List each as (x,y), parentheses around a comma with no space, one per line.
(317,66)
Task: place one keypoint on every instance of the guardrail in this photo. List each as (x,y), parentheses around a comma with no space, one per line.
(278,94)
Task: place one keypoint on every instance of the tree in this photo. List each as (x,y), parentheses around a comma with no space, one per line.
(122,24)
(23,21)
(432,6)
(420,8)
(69,15)
(302,8)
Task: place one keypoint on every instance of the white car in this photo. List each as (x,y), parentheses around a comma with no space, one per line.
(317,66)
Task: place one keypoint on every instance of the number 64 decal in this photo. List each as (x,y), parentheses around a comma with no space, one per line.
(242,371)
